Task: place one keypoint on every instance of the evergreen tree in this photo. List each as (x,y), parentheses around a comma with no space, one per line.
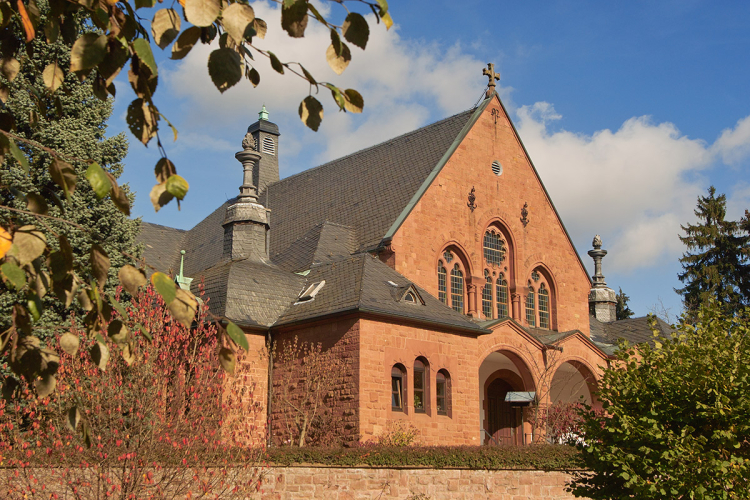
(72,122)
(717,263)
(622,309)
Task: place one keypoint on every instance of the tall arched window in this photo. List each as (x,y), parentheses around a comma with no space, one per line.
(443,392)
(531,307)
(457,289)
(501,291)
(421,385)
(487,295)
(494,248)
(543,307)
(442,288)
(398,398)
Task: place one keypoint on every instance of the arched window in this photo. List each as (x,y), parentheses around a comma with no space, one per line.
(421,389)
(531,307)
(487,295)
(543,307)
(442,289)
(443,392)
(398,398)
(457,289)
(494,248)
(501,291)
(268,146)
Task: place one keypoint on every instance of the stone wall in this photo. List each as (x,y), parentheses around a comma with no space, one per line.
(292,483)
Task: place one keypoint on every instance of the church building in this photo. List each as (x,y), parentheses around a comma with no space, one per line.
(434,265)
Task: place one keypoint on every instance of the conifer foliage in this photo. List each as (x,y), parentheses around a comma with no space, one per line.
(622,310)
(717,263)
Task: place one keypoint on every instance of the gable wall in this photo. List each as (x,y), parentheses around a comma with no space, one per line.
(442,216)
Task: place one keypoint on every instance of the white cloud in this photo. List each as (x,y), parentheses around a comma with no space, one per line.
(733,145)
(633,186)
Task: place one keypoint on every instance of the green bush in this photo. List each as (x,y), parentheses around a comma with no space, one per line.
(538,457)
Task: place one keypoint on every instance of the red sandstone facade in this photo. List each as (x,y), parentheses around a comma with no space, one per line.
(556,360)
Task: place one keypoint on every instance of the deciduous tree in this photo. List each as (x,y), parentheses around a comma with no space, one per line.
(676,421)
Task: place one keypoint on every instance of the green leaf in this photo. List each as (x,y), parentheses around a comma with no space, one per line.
(143,50)
(144,332)
(88,51)
(117,305)
(19,156)
(34,306)
(354,101)
(63,175)
(252,75)
(164,169)
(311,112)
(237,335)
(202,12)
(165,27)
(275,63)
(356,30)
(99,264)
(14,274)
(144,4)
(118,332)
(73,418)
(98,180)
(165,286)
(36,203)
(309,76)
(142,121)
(224,68)
(294,18)
(177,186)
(227,359)
(185,42)
(238,21)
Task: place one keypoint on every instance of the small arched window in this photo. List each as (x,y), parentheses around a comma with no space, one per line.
(457,289)
(501,286)
(398,400)
(443,392)
(442,288)
(531,307)
(421,391)
(487,295)
(543,307)
(494,248)
(268,146)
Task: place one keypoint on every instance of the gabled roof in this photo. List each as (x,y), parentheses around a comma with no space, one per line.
(162,246)
(363,283)
(325,242)
(634,330)
(366,190)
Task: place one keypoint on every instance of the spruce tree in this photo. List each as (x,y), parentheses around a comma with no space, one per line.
(72,122)
(622,310)
(717,263)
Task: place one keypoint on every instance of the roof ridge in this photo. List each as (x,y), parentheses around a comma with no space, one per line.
(165,227)
(369,148)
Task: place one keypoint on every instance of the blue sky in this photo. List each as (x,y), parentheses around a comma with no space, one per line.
(629,110)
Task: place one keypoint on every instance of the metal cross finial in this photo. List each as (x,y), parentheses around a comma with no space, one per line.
(489,72)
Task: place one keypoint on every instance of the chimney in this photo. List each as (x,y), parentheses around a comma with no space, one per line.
(602,299)
(264,136)
(246,221)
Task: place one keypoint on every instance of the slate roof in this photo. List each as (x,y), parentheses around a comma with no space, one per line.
(361,283)
(325,242)
(634,330)
(366,190)
(162,246)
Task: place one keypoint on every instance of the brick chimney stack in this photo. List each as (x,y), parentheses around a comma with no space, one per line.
(602,299)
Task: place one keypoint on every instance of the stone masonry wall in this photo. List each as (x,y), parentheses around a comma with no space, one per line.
(340,421)
(442,217)
(293,483)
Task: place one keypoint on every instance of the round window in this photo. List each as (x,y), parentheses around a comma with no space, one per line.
(497,169)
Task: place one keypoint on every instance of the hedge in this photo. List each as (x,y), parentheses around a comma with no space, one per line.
(539,457)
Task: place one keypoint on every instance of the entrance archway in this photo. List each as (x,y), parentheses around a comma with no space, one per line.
(503,422)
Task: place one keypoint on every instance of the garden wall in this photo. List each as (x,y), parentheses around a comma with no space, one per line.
(334,483)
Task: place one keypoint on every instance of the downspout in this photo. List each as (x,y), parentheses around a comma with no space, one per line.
(269,399)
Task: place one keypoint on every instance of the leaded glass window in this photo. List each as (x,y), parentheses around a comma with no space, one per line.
(502,296)
(419,387)
(442,289)
(448,256)
(543,307)
(487,295)
(457,289)
(531,307)
(494,248)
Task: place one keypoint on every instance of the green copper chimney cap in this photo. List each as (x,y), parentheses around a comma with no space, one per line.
(263,115)
(181,279)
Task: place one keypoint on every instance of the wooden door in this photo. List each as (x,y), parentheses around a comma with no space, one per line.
(503,420)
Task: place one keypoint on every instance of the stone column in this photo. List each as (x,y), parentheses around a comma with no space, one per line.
(602,299)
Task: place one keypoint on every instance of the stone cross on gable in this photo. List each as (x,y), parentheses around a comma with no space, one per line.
(489,72)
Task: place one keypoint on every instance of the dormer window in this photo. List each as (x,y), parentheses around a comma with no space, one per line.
(268,146)
(310,292)
(410,298)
